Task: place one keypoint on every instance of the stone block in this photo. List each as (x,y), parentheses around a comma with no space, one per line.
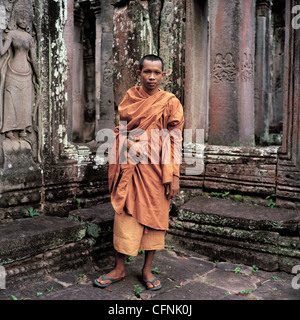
(98,220)
(29,237)
(240,215)
(240,169)
(218,251)
(239,232)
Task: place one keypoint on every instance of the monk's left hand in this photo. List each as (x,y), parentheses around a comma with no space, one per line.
(172,189)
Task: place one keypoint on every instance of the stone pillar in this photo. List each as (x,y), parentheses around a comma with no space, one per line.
(69,41)
(196,66)
(232,45)
(276,115)
(82,113)
(75,115)
(262,71)
(97,67)
(288,172)
(172,44)
(133,38)
(107,112)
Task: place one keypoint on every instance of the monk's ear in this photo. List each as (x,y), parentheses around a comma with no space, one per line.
(163,74)
(138,73)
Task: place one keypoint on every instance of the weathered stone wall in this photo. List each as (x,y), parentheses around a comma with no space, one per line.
(67,168)
(172,45)
(133,38)
(142,27)
(241,169)
(55,172)
(62,170)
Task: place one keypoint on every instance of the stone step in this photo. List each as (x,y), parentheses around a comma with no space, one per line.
(98,222)
(230,213)
(33,247)
(239,232)
(97,219)
(30,236)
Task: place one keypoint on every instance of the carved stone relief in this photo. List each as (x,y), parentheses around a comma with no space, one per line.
(224,69)
(108,73)
(19,80)
(247,71)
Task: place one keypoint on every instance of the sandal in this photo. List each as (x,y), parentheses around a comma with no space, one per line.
(152,282)
(100,285)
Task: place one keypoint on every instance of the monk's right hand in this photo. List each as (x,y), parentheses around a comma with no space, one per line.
(167,190)
(172,189)
(131,144)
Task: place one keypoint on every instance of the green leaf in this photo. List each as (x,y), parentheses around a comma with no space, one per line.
(155,271)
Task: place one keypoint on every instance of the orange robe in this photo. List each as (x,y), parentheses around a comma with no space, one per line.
(137,188)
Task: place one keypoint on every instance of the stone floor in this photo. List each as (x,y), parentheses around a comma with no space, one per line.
(185,276)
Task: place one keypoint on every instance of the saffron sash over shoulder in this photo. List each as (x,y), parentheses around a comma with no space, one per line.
(139,110)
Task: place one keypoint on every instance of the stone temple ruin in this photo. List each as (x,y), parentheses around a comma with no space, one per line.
(235,66)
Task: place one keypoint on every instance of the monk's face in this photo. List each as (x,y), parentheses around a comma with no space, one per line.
(151,76)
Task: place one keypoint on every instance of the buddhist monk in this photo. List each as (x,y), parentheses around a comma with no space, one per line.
(144,172)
